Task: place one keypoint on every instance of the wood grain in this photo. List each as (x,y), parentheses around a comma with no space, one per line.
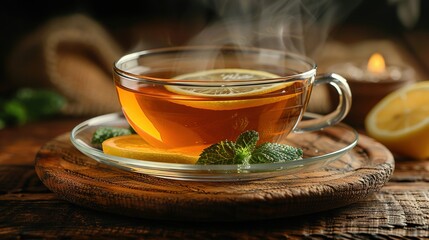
(83,181)
(395,212)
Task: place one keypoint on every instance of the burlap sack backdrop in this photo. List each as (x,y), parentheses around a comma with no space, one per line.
(72,55)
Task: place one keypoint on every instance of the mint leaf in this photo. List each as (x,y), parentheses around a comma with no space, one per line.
(29,104)
(40,103)
(274,152)
(103,133)
(242,155)
(220,153)
(244,151)
(248,140)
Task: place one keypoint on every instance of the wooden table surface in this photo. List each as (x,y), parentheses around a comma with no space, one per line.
(28,210)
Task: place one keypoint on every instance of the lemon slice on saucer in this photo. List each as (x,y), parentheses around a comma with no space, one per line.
(401,121)
(133,146)
(225,94)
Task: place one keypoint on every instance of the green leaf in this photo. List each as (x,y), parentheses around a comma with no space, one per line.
(40,103)
(274,152)
(28,104)
(242,155)
(15,111)
(247,140)
(220,153)
(244,151)
(103,133)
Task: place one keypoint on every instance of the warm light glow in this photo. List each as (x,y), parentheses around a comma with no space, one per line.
(376,63)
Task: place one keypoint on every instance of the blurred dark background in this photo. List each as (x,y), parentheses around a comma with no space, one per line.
(20,18)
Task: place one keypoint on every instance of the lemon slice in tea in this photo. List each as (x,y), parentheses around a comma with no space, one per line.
(133,146)
(401,121)
(228,74)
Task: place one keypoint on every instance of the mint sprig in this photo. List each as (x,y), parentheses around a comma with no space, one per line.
(104,133)
(245,151)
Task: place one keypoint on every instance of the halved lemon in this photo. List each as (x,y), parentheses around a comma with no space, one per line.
(133,146)
(228,74)
(400,121)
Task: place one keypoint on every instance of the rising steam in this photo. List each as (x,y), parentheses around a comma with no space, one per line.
(298,26)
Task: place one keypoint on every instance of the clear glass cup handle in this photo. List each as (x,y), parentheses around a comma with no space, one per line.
(345,102)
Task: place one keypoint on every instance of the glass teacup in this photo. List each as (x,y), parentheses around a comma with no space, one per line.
(187,98)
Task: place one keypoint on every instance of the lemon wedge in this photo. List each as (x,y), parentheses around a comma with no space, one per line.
(400,121)
(133,146)
(227,92)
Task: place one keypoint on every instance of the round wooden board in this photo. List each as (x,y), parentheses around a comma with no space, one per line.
(81,180)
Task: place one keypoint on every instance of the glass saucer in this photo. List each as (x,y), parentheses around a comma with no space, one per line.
(320,148)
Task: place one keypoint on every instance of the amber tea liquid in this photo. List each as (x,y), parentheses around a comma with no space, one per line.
(170,120)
